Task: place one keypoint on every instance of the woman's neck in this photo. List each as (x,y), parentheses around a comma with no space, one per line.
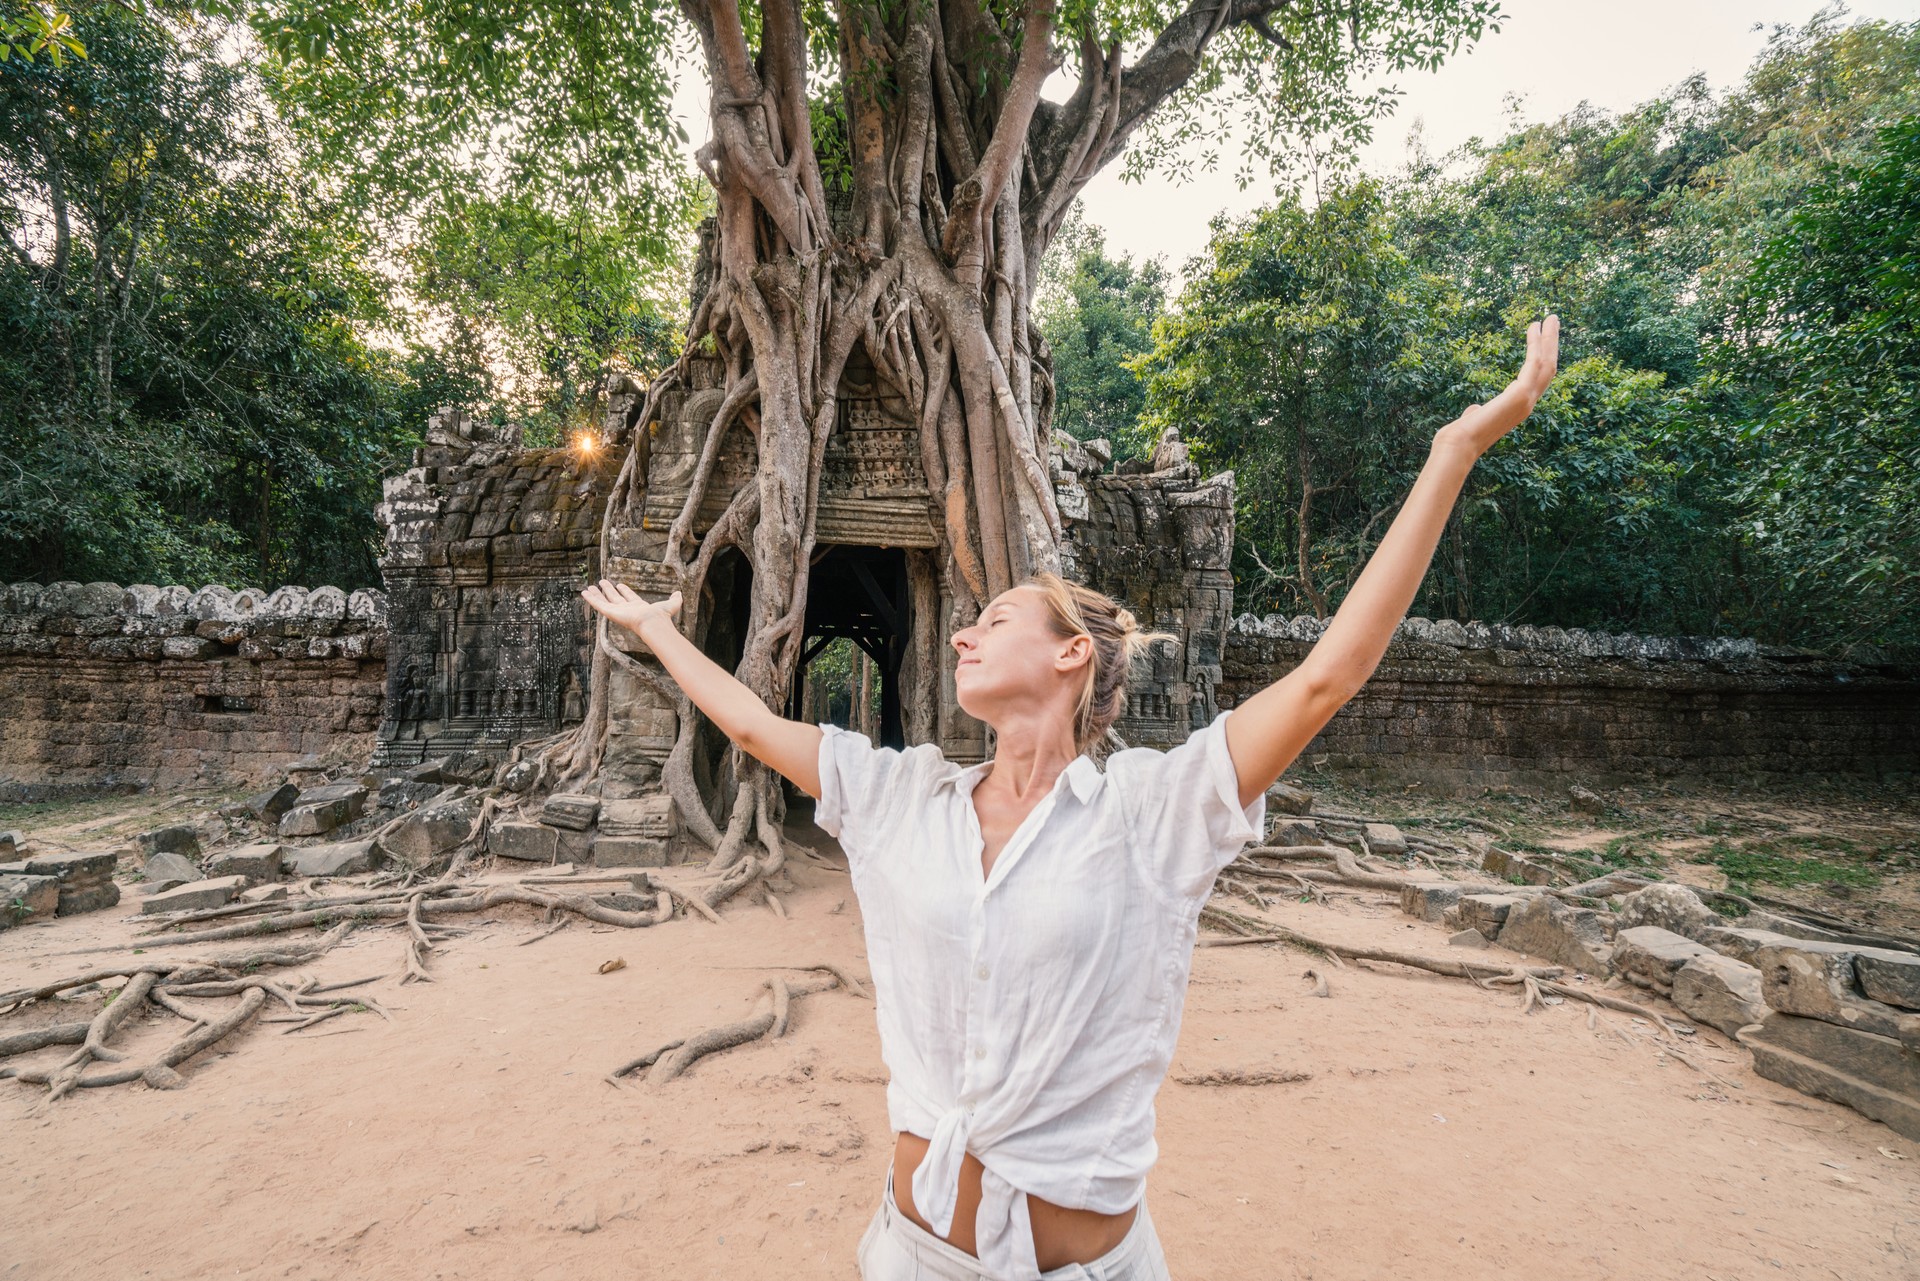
(1029,753)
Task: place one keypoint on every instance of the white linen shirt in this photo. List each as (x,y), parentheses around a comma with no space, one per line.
(1029,1016)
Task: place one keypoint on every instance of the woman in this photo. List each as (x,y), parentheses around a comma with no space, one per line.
(1030,920)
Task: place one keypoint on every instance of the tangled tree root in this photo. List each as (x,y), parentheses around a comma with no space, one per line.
(162,984)
(675,1057)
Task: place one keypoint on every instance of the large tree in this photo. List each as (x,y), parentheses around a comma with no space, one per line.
(883,173)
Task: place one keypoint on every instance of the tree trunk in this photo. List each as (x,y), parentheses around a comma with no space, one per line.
(924,247)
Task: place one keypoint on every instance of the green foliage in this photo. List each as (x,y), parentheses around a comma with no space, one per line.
(1097,314)
(560,302)
(30,29)
(187,395)
(1731,445)
(1787,862)
(1821,366)
(1297,98)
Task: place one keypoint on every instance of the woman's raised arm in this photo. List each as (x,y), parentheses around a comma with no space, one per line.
(790,747)
(1269,730)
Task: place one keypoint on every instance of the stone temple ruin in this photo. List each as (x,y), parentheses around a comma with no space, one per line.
(487,548)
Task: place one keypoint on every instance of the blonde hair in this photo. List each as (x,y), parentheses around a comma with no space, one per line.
(1117,640)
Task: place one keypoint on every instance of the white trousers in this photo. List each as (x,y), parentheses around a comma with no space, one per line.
(895,1248)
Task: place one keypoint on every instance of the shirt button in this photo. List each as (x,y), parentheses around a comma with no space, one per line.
(981,972)
(979,1052)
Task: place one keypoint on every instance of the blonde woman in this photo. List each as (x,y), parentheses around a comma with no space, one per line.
(1030,920)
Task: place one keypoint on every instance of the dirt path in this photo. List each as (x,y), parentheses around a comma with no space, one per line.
(1441,1134)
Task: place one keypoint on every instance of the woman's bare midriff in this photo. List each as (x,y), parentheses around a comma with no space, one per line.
(1060,1235)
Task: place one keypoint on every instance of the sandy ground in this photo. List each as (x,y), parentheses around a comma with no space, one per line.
(1440,1133)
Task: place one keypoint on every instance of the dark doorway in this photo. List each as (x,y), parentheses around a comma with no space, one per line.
(859,594)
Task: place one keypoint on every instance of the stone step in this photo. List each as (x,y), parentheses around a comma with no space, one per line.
(1874,1075)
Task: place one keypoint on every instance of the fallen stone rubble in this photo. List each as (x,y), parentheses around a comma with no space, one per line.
(1827,1011)
(321,822)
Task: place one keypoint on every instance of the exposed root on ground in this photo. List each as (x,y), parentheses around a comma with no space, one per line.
(162,986)
(1246,929)
(1243,1076)
(675,1057)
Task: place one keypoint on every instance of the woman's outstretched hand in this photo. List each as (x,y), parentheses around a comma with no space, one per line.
(1478,428)
(621,604)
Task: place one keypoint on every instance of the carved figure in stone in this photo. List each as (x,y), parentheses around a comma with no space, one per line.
(1171,452)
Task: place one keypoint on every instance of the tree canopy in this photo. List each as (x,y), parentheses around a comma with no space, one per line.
(1730,446)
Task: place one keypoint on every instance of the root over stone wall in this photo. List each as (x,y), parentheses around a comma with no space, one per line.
(103,686)
(1470,705)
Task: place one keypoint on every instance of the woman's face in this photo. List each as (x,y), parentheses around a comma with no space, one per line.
(1012,658)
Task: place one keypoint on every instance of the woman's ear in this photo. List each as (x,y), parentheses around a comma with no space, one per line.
(1075,651)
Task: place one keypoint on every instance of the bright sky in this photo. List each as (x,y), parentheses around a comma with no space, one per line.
(1552,54)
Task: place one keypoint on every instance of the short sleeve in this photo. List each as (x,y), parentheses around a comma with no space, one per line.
(1186,811)
(863,788)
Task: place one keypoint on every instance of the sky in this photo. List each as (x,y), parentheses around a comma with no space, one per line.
(1550,54)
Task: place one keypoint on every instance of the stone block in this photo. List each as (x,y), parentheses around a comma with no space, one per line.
(1468,938)
(1648,956)
(10,843)
(432,830)
(528,842)
(188,647)
(1889,976)
(1509,866)
(83,865)
(337,858)
(1556,931)
(398,793)
(1484,912)
(315,820)
(1296,831)
(571,846)
(1386,839)
(354,794)
(89,898)
(164,871)
(259,862)
(570,810)
(432,771)
(1585,801)
(651,816)
(1285,798)
(1739,942)
(629,851)
(28,898)
(1818,981)
(1429,900)
(194,897)
(1673,908)
(264,894)
(1719,991)
(1874,1075)
(272,803)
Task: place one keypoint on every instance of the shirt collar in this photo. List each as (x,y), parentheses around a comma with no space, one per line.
(1082,775)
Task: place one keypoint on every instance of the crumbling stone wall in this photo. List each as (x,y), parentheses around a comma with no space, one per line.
(1468,705)
(104,686)
(487,548)
(1160,542)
